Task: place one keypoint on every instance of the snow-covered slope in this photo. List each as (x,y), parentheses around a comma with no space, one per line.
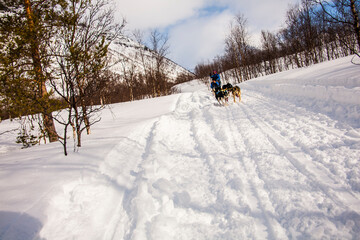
(331,88)
(275,166)
(130,55)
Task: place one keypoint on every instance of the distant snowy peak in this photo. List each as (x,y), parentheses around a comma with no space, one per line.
(129,55)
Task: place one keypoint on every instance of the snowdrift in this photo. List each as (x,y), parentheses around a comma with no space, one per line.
(331,88)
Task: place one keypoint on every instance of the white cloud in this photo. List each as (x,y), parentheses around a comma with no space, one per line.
(264,14)
(199,39)
(197,28)
(146,14)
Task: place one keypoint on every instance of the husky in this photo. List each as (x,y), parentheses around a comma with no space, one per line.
(235,91)
(222,96)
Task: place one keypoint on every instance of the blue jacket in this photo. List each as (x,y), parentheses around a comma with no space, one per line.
(214,85)
(216,77)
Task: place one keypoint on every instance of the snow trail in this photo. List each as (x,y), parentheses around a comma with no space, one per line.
(251,170)
(300,154)
(301,165)
(235,172)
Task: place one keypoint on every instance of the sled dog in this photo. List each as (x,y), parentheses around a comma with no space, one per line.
(222,96)
(235,91)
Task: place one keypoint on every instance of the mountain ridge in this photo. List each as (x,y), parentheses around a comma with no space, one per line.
(128,54)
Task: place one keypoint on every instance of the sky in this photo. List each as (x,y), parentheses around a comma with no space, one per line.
(197,28)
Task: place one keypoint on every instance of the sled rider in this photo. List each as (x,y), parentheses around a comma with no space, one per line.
(215,76)
(215,87)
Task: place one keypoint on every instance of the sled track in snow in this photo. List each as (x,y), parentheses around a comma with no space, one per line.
(221,168)
(262,198)
(217,160)
(218,157)
(296,156)
(228,152)
(209,172)
(317,177)
(286,110)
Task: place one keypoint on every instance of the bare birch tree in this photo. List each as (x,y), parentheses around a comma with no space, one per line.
(87,29)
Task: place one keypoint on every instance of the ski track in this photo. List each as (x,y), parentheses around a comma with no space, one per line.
(283,142)
(328,190)
(255,179)
(210,172)
(333,139)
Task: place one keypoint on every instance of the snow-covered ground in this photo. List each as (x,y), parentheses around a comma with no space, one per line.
(282,164)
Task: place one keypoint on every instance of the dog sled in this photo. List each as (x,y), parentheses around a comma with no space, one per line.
(223,93)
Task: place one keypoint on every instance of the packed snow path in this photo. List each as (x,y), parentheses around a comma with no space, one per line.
(259,169)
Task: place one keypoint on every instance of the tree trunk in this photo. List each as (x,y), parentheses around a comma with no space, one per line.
(356,21)
(47,116)
(86,119)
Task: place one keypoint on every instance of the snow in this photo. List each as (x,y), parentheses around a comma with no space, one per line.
(130,56)
(282,164)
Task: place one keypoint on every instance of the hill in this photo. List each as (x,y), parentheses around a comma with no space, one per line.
(128,54)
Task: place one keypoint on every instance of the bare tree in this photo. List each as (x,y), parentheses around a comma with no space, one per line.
(270,51)
(346,14)
(232,53)
(159,44)
(86,30)
(238,43)
(129,71)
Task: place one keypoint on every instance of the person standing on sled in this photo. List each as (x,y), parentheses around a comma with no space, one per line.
(215,76)
(215,86)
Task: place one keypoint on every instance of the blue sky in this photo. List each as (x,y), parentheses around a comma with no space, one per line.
(197,28)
